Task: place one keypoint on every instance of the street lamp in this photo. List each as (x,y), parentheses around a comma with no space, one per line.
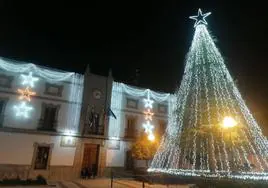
(151,137)
(229,122)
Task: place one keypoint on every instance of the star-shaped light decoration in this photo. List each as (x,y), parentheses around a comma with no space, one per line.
(26,94)
(200,18)
(22,110)
(29,80)
(148,114)
(148,127)
(148,102)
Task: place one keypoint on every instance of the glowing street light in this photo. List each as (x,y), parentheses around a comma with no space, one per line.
(151,137)
(229,122)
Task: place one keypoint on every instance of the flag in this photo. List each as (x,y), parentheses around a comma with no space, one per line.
(110,113)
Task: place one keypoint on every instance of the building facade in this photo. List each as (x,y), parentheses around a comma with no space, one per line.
(55,123)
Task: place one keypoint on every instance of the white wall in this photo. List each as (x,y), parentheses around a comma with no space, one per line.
(116,158)
(138,113)
(18,148)
(10,119)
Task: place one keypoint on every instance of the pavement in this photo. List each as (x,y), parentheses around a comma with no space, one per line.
(117,183)
(101,183)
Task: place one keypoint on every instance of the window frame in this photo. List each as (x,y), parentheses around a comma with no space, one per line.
(42,116)
(36,145)
(59,87)
(2,113)
(9,81)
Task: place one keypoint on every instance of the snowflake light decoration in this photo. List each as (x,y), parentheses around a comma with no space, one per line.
(148,102)
(29,79)
(22,110)
(148,127)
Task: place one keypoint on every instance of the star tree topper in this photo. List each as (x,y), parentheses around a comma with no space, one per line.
(29,79)
(200,18)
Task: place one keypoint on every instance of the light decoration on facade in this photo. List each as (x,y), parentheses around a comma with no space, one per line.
(148,115)
(206,96)
(75,82)
(118,92)
(29,80)
(148,104)
(148,127)
(22,110)
(26,94)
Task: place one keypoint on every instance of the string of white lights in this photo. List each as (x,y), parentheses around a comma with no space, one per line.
(214,96)
(76,84)
(118,90)
(223,104)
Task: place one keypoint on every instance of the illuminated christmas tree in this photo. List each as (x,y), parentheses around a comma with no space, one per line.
(211,132)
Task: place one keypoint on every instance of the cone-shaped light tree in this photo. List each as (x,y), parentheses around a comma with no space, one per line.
(211,132)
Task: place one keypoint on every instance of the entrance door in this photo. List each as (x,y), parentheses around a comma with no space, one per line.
(90,159)
(129,161)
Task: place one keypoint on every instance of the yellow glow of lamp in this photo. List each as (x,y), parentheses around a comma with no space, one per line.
(229,122)
(151,137)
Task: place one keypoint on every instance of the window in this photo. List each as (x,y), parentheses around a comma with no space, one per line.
(130,131)
(3,103)
(162,108)
(132,103)
(162,127)
(129,162)
(5,81)
(41,156)
(49,116)
(53,89)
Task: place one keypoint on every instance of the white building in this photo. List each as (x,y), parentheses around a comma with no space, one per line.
(129,106)
(38,106)
(55,123)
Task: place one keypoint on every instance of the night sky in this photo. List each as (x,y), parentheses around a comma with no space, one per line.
(152,36)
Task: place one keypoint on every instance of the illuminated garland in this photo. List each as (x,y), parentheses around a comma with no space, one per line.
(202,138)
(23,109)
(118,91)
(75,93)
(148,104)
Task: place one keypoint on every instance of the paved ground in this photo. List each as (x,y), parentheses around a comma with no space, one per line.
(118,183)
(100,183)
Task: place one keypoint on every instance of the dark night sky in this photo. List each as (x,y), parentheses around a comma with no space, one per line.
(153,36)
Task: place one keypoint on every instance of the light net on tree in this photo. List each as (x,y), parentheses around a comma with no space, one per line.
(211,132)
